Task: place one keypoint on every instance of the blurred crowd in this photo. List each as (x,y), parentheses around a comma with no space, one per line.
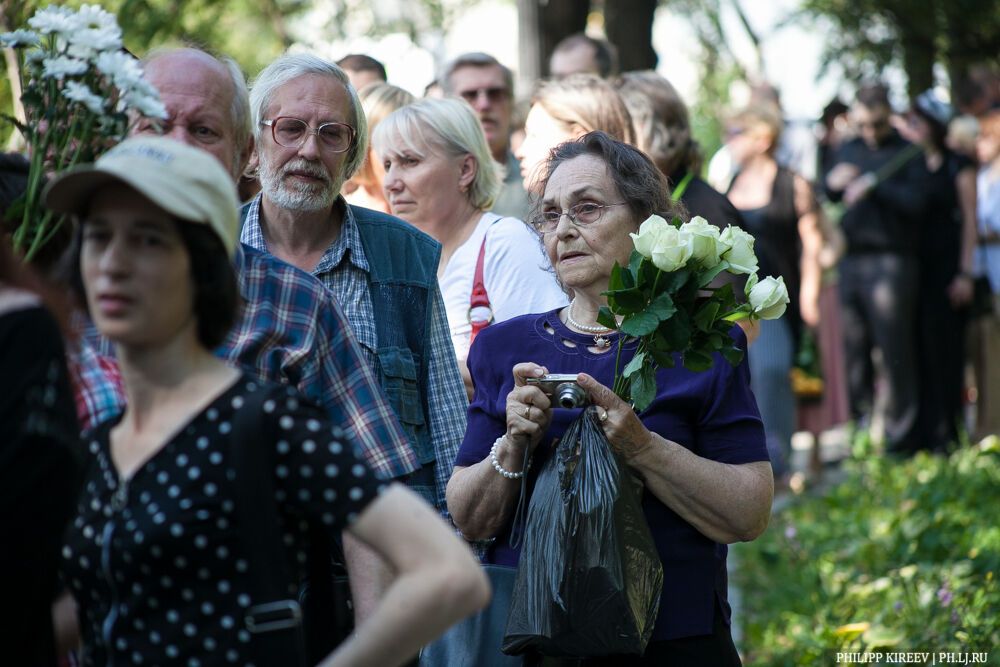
(349,245)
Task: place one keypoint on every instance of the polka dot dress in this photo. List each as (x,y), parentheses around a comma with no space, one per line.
(156,563)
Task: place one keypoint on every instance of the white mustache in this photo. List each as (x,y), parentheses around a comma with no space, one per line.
(305,167)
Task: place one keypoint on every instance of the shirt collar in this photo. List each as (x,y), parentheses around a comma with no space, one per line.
(348,244)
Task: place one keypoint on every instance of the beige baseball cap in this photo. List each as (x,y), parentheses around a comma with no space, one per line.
(184,181)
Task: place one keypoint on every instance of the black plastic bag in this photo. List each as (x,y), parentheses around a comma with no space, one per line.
(589,578)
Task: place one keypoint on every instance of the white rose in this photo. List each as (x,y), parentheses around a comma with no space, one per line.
(672,250)
(768,298)
(740,255)
(705,241)
(649,232)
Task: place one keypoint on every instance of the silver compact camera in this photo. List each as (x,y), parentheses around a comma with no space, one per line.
(562,388)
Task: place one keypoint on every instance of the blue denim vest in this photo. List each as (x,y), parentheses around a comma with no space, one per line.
(403,263)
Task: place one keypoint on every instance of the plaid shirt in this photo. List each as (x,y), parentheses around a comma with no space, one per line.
(291,331)
(97,384)
(344,269)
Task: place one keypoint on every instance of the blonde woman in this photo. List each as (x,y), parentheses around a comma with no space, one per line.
(365,188)
(565,110)
(441,178)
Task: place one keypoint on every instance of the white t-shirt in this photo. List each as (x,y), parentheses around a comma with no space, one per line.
(518,276)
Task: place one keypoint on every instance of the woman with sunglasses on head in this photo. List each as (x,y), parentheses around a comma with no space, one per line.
(698,448)
(159,558)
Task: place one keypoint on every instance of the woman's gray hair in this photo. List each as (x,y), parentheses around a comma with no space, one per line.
(641,184)
(291,66)
(449,125)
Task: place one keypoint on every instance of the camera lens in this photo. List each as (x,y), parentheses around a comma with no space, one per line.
(570,395)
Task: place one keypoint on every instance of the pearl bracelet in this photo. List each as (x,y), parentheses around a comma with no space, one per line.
(499,468)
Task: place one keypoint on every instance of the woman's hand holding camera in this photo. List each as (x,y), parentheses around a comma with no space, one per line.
(529,410)
(626,433)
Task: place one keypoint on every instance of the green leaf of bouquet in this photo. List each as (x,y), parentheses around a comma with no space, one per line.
(677,330)
(626,301)
(643,388)
(615,282)
(716,340)
(645,277)
(676,222)
(634,260)
(606,318)
(697,361)
(634,365)
(733,355)
(640,324)
(705,317)
(674,281)
(664,358)
(662,306)
(706,277)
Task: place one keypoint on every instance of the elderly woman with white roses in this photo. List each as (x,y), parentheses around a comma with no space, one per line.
(698,448)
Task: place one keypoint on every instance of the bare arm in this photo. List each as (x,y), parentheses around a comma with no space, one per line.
(368,575)
(812,243)
(437,582)
(480,499)
(724,502)
(960,288)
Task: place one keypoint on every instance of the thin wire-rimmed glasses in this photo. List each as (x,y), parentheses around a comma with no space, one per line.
(582,214)
(292,132)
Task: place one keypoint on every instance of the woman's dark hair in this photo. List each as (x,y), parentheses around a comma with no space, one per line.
(639,181)
(938,131)
(217,300)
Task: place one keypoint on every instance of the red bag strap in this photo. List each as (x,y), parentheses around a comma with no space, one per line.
(479,298)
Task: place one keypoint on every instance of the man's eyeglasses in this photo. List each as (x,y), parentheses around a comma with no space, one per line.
(292,133)
(494,95)
(582,214)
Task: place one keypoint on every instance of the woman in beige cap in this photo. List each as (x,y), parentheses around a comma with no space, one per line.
(160,558)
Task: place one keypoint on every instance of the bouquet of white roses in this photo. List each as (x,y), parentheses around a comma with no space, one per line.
(665,298)
(78,85)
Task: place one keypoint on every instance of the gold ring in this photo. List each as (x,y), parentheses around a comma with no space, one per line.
(527,411)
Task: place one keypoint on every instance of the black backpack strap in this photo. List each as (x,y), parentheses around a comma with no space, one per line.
(274,618)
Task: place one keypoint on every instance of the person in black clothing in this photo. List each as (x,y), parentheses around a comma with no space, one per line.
(39,463)
(883,186)
(947,242)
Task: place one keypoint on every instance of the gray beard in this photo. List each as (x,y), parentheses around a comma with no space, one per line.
(293,197)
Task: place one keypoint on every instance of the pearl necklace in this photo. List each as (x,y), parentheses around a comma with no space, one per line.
(600,340)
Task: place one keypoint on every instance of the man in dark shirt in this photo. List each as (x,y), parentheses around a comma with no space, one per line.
(880,178)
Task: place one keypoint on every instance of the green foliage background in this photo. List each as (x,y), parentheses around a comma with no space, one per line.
(900,556)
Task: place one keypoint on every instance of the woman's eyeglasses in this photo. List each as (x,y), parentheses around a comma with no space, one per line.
(292,133)
(582,214)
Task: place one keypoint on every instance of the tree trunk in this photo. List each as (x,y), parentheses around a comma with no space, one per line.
(629,26)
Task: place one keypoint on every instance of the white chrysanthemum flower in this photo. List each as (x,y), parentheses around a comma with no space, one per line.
(97,39)
(96,17)
(79,92)
(55,19)
(149,106)
(61,66)
(19,38)
(119,67)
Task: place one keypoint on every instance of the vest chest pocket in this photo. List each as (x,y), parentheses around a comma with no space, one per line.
(399,380)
